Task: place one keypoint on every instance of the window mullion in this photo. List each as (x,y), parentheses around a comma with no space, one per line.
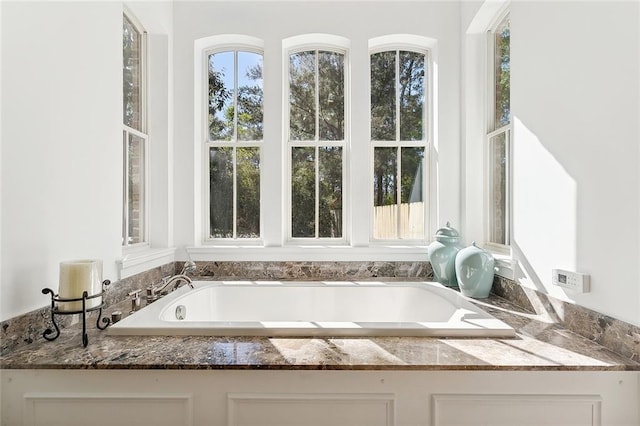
(398,190)
(125,218)
(317,143)
(397,86)
(235,96)
(234,206)
(317,192)
(398,163)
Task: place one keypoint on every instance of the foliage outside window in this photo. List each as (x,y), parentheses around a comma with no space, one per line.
(235,124)
(135,139)
(399,131)
(499,136)
(316,143)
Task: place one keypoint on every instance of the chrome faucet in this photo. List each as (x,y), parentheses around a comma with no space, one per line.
(172,283)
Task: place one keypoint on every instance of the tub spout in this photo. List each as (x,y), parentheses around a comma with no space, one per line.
(168,285)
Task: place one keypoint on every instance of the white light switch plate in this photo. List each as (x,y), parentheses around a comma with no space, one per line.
(570,280)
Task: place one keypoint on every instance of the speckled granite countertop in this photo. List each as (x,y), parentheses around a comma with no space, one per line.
(539,345)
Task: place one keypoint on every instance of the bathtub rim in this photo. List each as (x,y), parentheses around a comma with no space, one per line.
(489,326)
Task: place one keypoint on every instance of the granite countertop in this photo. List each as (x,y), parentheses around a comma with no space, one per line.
(539,345)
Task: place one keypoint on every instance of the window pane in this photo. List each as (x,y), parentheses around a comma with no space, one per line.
(330,177)
(221,192)
(135,189)
(248,197)
(502,75)
(132,75)
(331,96)
(412,193)
(411,96)
(385,172)
(302,96)
(303,194)
(498,188)
(249,96)
(221,84)
(383,96)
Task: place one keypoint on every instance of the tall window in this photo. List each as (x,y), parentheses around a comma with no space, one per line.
(316,143)
(235,121)
(135,138)
(399,138)
(499,136)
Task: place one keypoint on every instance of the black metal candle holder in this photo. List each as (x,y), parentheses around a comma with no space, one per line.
(85,296)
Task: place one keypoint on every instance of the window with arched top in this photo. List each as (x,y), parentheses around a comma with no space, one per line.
(232,138)
(316,136)
(400,136)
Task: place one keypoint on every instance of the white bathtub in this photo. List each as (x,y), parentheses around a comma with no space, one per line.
(260,308)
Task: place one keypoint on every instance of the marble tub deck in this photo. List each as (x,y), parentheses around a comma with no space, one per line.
(539,345)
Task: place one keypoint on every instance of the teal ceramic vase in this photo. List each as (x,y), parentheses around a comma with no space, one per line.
(474,271)
(442,253)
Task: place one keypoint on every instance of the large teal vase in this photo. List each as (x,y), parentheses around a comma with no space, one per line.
(475,271)
(442,253)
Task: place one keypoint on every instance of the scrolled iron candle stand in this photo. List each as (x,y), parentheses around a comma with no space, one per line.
(50,334)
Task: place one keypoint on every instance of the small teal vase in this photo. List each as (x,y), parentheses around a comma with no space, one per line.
(474,271)
(442,253)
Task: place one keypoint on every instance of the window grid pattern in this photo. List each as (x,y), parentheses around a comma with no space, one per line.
(316,144)
(135,138)
(233,144)
(399,132)
(498,139)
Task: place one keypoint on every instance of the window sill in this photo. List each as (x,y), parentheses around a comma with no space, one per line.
(135,262)
(294,253)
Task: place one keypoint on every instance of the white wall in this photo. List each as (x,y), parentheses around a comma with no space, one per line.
(274,21)
(62,139)
(61,143)
(575,104)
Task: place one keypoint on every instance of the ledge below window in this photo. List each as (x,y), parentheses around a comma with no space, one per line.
(141,261)
(308,253)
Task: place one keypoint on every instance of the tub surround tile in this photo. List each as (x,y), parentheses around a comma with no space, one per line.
(313,270)
(539,345)
(28,328)
(618,336)
(551,335)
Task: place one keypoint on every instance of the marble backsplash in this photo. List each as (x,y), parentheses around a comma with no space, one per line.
(616,335)
(25,329)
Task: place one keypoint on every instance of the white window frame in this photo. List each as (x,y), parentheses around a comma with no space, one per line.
(143,134)
(426,46)
(234,143)
(305,43)
(491,133)
(204,48)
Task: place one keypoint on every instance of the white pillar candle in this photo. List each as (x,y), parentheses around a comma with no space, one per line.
(77,276)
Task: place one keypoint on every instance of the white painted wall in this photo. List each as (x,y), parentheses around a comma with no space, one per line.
(575,106)
(275,21)
(62,139)
(61,143)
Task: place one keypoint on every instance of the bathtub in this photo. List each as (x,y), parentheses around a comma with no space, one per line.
(262,308)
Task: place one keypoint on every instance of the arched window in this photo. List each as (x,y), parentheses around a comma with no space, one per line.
(400,134)
(316,136)
(233,137)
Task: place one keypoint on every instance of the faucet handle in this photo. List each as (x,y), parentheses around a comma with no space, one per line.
(135,300)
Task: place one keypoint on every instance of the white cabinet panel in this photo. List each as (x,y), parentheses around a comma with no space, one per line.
(310,409)
(516,410)
(66,409)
